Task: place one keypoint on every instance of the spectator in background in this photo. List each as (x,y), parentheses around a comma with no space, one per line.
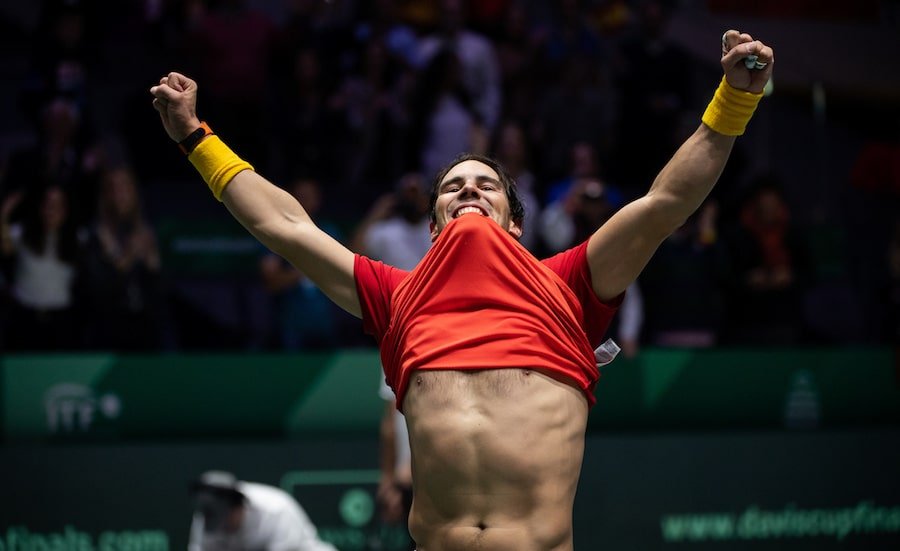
(396,229)
(444,120)
(517,46)
(63,156)
(45,253)
(123,270)
(770,268)
(479,71)
(233,515)
(683,284)
(372,101)
(583,165)
(304,318)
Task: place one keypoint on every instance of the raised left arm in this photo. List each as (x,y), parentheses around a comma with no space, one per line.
(619,250)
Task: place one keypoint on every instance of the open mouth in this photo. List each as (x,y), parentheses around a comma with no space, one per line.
(467,210)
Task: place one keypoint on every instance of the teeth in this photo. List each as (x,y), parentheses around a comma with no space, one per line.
(466,210)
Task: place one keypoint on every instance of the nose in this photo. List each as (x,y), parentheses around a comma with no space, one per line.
(469,188)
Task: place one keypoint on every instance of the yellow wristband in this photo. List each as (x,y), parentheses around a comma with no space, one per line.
(730,109)
(217,163)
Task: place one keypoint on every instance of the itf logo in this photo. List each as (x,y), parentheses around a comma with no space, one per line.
(72,407)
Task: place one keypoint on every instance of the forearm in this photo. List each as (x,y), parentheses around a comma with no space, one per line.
(690,175)
(271,214)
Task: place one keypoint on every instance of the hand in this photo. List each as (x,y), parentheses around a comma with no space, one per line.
(736,46)
(175,97)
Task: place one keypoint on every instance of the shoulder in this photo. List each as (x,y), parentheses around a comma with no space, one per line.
(573,259)
(369,271)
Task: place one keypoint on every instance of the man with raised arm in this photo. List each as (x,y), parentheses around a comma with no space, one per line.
(489,350)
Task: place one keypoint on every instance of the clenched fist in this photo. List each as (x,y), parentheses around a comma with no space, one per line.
(175,97)
(736,47)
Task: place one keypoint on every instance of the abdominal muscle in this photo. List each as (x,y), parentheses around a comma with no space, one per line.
(496,458)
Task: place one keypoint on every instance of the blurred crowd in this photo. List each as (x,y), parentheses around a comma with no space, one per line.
(353,106)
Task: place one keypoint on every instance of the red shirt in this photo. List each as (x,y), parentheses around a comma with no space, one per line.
(479,300)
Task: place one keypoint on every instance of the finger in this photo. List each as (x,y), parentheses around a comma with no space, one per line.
(178,81)
(730,38)
(759,55)
(175,82)
(764,53)
(164,91)
(163,80)
(739,52)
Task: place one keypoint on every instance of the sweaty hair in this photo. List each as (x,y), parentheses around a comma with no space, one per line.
(516,207)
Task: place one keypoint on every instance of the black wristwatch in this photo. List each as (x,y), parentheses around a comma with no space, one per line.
(188,144)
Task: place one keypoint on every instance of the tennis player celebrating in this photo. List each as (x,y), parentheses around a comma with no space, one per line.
(489,350)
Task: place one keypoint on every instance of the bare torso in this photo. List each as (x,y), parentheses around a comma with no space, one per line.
(496,458)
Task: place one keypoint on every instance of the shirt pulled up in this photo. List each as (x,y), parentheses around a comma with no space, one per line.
(479,300)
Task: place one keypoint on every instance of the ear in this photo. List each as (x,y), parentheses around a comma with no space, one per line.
(515,230)
(432,227)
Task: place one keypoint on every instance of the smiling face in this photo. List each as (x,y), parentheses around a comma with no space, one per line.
(471,186)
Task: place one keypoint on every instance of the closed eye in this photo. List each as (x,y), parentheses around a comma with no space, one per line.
(485,183)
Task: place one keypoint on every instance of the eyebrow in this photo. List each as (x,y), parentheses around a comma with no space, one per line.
(479,178)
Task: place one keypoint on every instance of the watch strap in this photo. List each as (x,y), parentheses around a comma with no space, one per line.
(188,144)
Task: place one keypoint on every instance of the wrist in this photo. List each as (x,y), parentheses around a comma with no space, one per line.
(200,132)
(217,164)
(730,109)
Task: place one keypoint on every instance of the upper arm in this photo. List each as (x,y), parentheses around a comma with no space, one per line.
(278,220)
(620,248)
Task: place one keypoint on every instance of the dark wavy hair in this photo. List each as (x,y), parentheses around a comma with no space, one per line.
(516,206)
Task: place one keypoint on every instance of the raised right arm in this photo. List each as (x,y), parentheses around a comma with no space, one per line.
(271,214)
